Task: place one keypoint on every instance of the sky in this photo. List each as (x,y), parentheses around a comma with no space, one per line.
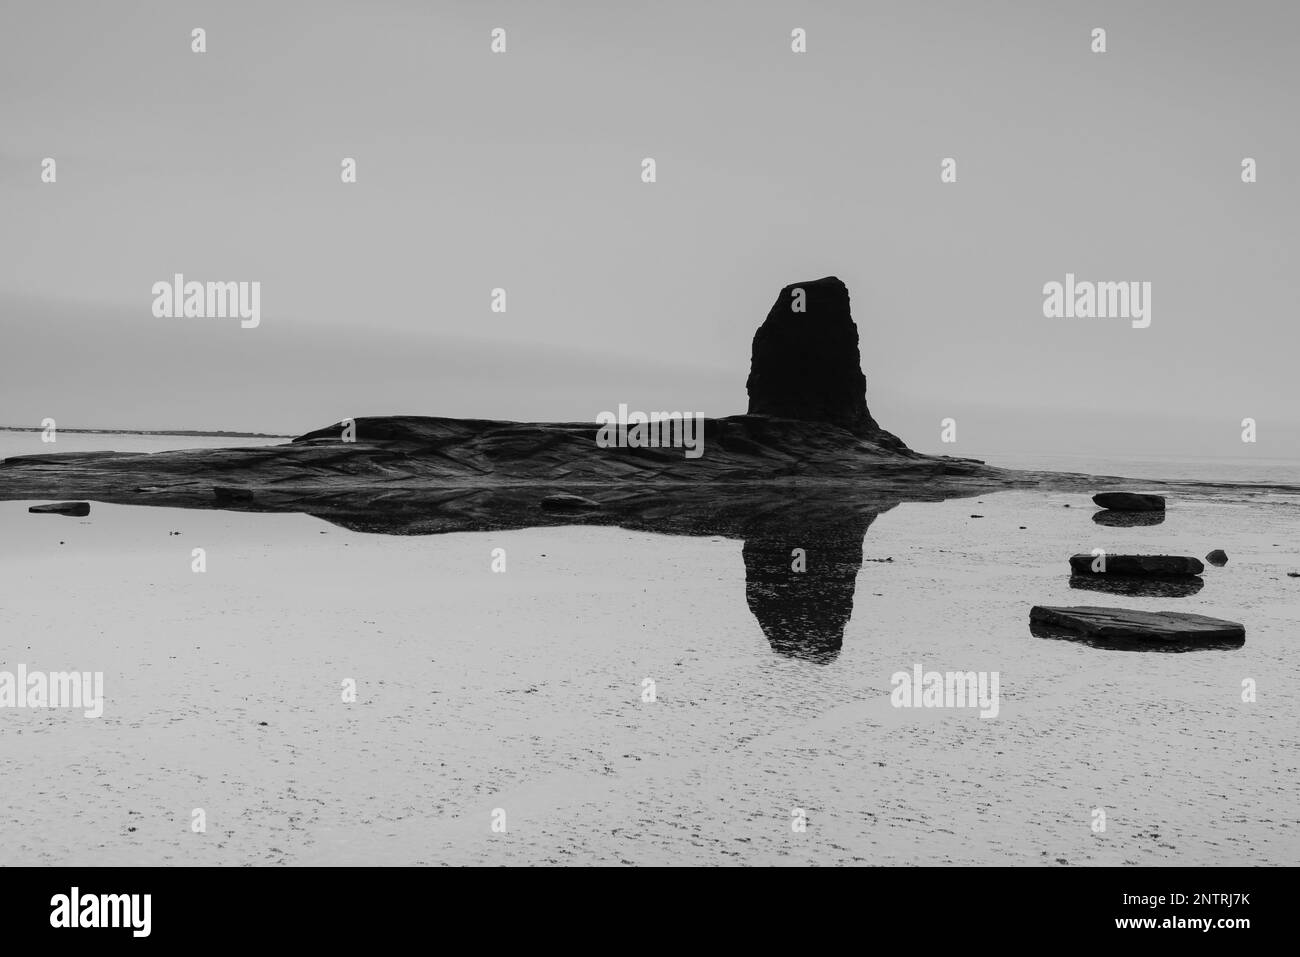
(522,170)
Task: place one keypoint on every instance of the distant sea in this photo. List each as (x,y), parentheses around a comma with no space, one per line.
(29,443)
(1242,469)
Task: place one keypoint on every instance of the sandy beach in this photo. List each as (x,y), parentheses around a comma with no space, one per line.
(522,691)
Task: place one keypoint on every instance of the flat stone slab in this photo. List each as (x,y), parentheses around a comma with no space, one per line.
(1127,623)
(62,508)
(1130,501)
(1140,566)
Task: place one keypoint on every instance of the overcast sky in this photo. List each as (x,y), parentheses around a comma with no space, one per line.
(522,170)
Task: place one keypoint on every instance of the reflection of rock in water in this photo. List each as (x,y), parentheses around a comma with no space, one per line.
(1144,587)
(1116,519)
(803,614)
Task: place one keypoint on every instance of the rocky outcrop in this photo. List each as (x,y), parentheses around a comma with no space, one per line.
(1139,566)
(1130,501)
(410,453)
(808,426)
(1128,627)
(805,362)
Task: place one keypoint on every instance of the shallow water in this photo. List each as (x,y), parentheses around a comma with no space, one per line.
(522,691)
(1245,468)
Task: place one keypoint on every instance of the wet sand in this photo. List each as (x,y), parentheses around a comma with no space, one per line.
(522,691)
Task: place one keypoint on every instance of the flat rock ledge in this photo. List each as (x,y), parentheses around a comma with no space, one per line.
(418,453)
(1140,566)
(1127,623)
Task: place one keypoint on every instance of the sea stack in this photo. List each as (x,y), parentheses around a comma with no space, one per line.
(805,362)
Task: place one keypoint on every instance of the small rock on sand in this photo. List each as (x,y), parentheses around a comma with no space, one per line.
(1142,566)
(1130,501)
(62,508)
(1218,558)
